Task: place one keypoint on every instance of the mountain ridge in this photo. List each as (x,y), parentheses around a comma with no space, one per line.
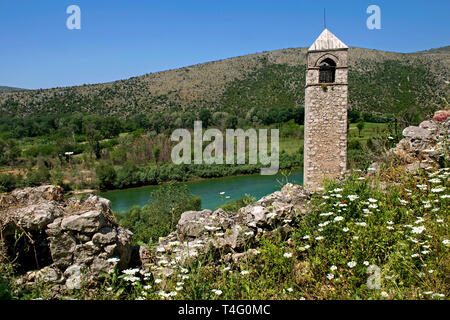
(378,81)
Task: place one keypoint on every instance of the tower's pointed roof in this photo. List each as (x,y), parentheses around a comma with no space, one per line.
(327,41)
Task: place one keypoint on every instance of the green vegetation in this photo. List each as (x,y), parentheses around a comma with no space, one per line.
(235,205)
(356,232)
(160,216)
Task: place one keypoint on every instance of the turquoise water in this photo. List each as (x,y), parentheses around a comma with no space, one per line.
(208,190)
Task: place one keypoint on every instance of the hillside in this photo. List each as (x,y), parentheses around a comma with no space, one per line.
(9,89)
(380,82)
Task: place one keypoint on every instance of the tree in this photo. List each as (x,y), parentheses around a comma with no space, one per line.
(360,125)
(106,175)
(156,153)
(231,122)
(205,117)
(93,138)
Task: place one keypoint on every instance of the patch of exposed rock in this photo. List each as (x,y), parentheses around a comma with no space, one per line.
(422,145)
(232,234)
(67,241)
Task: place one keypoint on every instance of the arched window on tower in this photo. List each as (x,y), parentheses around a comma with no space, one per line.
(327,71)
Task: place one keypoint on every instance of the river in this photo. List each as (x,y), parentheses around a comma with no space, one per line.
(209,190)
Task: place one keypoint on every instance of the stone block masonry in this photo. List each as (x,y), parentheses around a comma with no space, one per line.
(325,144)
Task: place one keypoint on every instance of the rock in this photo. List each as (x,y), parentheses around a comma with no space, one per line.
(256,215)
(73,275)
(36,216)
(88,222)
(441,115)
(62,248)
(105,236)
(50,275)
(416,133)
(192,223)
(36,194)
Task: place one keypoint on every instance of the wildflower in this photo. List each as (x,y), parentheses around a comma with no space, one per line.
(362,224)
(419,220)
(355,237)
(403,202)
(211,228)
(326,214)
(361,178)
(306,237)
(428,292)
(338,218)
(418,230)
(422,187)
(158,280)
(324,224)
(290,289)
(439,220)
(330,276)
(415,255)
(384,294)
(271,215)
(425,251)
(287,220)
(353,197)
(109,289)
(435,180)
(366,263)
(305,247)
(113,260)
(333,268)
(446,242)
(373,206)
(345,229)
(445,196)
(351,264)
(371,200)
(178,288)
(390,228)
(287,255)
(319,238)
(180,283)
(325,197)
(147,287)
(184,270)
(437,190)
(338,190)
(185,277)
(438,295)
(390,222)
(222,193)
(217,292)
(131,278)
(226,269)
(130,272)
(249,233)
(244,272)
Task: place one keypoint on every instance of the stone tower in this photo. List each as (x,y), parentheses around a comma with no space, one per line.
(325,150)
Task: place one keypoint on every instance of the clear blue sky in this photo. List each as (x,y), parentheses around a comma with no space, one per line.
(124,38)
